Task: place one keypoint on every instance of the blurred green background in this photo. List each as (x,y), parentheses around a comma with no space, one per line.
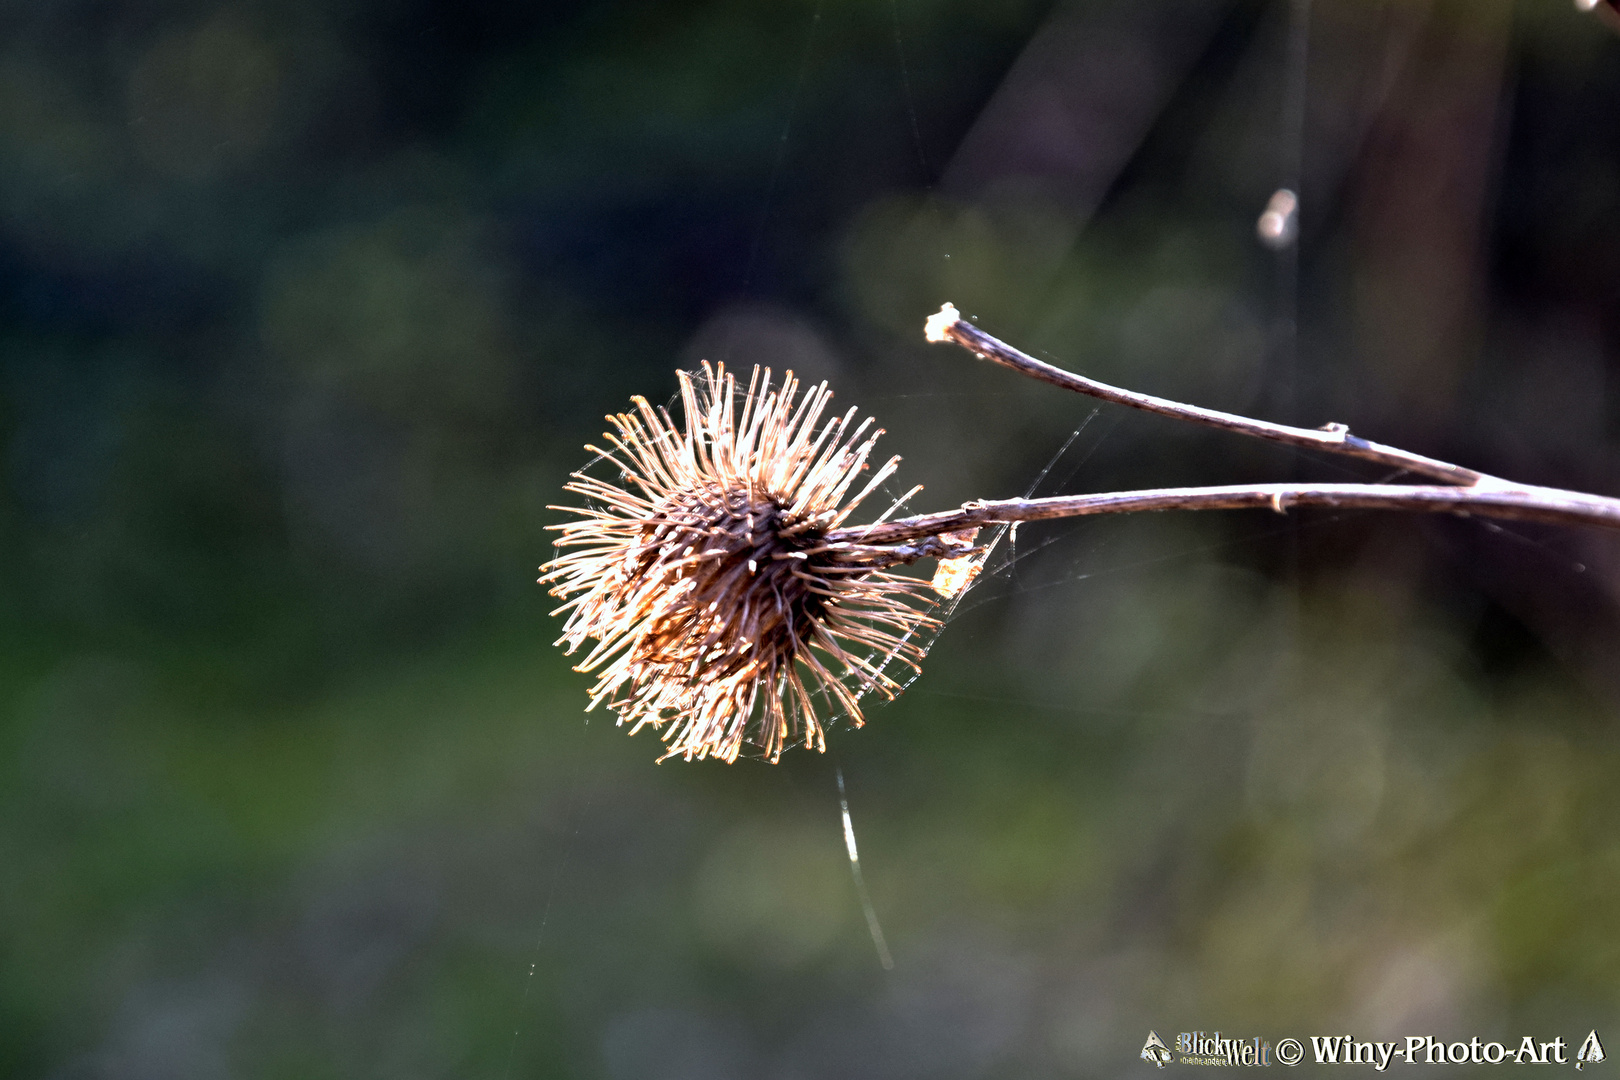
(306,309)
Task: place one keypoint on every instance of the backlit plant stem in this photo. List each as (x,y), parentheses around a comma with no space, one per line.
(1464,493)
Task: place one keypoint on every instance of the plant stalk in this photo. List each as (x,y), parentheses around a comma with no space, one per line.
(1465,493)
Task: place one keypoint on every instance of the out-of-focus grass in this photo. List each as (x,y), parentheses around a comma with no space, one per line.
(1338,823)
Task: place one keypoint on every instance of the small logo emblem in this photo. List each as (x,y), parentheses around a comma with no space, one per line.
(1591,1051)
(1155,1051)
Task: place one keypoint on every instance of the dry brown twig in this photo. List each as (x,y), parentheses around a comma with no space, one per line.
(731,603)
(1467,493)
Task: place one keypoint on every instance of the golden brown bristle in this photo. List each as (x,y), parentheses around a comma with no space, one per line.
(721,615)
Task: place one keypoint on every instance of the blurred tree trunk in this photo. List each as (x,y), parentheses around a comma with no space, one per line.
(1420,210)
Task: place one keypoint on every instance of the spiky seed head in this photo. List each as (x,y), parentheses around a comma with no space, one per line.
(721,612)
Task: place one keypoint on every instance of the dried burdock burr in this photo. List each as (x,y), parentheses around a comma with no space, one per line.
(703,571)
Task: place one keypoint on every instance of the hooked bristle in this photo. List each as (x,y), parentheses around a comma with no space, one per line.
(721,614)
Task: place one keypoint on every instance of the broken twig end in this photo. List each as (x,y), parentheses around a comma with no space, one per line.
(939,324)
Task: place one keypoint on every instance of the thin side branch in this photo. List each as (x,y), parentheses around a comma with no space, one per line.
(1466,492)
(948,325)
(1550,505)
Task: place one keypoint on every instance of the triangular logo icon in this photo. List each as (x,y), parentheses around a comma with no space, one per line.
(1591,1051)
(1155,1051)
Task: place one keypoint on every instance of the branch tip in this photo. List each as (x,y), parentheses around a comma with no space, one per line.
(938,326)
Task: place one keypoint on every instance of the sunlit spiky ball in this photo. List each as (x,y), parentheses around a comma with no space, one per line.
(722,612)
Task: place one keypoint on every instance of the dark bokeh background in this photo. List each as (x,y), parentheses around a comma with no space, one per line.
(306,309)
